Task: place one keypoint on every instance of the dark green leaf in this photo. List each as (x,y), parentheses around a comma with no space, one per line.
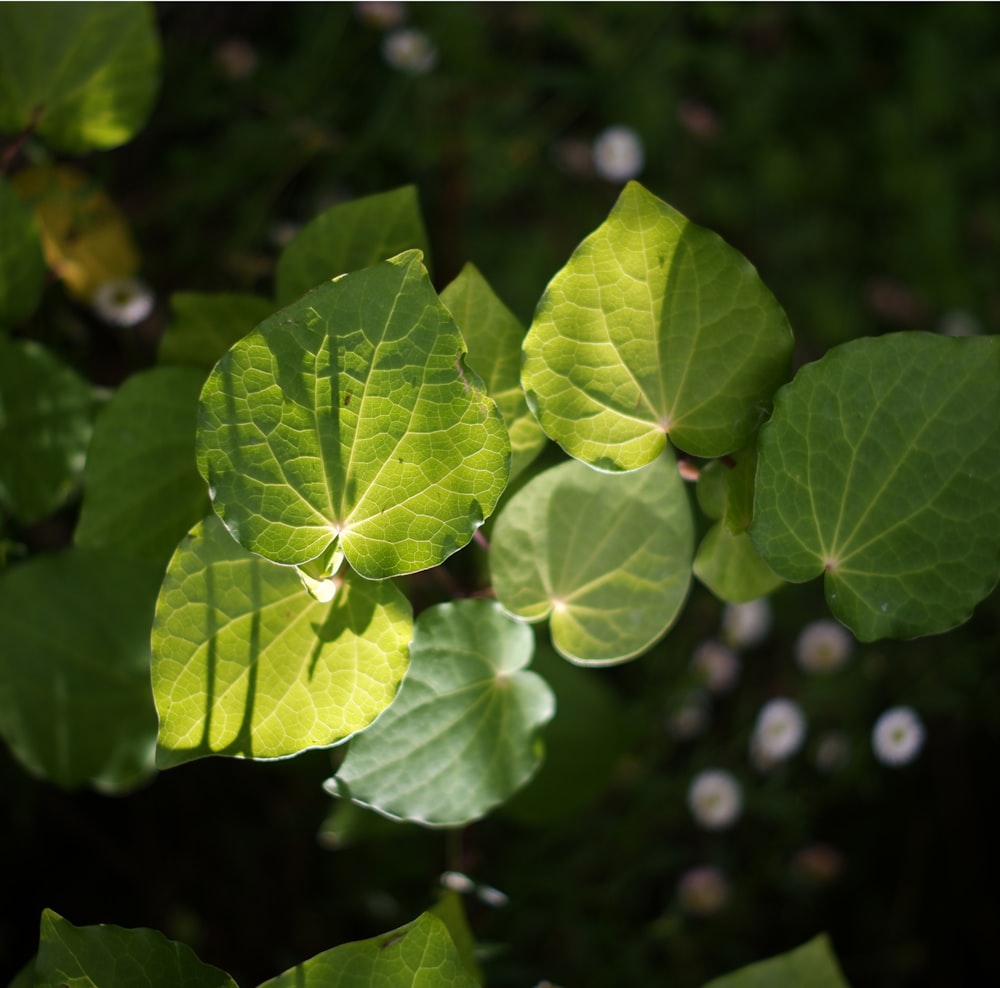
(812,965)
(22,266)
(205,326)
(730,567)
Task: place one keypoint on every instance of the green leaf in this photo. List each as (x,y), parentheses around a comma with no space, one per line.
(348,418)
(142,491)
(22,265)
(246,662)
(112,957)
(461,736)
(812,965)
(606,557)
(75,700)
(25,978)
(881,470)
(418,954)
(713,489)
(205,326)
(348,237)
(494,336)
(654,328)
(451,911)
(45,424)
(730,567)
(85,73)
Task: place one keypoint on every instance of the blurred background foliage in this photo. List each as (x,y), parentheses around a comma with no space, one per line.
(851,152)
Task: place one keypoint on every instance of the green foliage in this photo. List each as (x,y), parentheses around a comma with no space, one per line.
(812,965)
(22,268)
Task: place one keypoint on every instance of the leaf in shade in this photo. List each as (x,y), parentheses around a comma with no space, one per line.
(22,266)
(205,326)
(730,567)
(813,965)
(880,469)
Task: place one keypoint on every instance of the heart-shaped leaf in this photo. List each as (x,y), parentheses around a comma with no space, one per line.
(142,491)
(654,328)
(606,557)
(730,567)
(881,470)
(494,336)
(84,75)
(75,702)
(113,957)
(349,418)
(248,663)
(205,326)
(462,734)
(22,267)
(350,236)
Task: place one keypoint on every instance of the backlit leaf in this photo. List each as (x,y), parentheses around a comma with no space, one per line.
(813,965)
(654,328)
(348,418)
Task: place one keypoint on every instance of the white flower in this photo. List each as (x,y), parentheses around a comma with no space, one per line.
(745,625)
(778,734)
(703,891)
(716,665)
(457,882)
(898,736)
(715,799)
(618,154)
(409,51)
(492,896)
(832,751)
(123,301)
(381,14)
(823,646)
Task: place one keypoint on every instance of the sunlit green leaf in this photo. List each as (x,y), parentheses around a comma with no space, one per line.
(654,328)
(350,236)
(349,418)
(142,491)
(418,954)
(247,663)
(84,74)
(112,957)
(75,700)
(450,910)
(205,326)
(494,336)
(22,266)
(812,965)
(881,470)
(462,734)
(730,567)
(606,557)
(46,412)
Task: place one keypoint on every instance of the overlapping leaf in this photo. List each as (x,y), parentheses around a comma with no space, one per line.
(46,419)
(22,267)
(654,328)
(246,662)
(142,490)
(494,336)
(881,470)
(462,734)
(205,326)
(349,418)
(84,75)
(606,557)
(350,236)
(813,965)
(75,701)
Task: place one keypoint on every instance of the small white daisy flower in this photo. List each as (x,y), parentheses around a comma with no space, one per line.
(716,665)
(898,736)
(456,881)
(123,301)
(410,51)
(618,154)
(715,799)
(703,891)
(492,896)
(381,14)
(746,625)
(823,646)
(778,733)
(832,751)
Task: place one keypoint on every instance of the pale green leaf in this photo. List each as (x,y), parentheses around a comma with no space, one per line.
(712,489)
(205,326)
(881,470)
(349,417)
(22,265)
(46,412)
(462,734)
(451,911)
(420,954)
(142,491)
(247,663)
(813,965)
(606,557)
(75,699)
(730,567)
(350,236)
(113,957)
(85,73)
(494,336)
(654,328)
